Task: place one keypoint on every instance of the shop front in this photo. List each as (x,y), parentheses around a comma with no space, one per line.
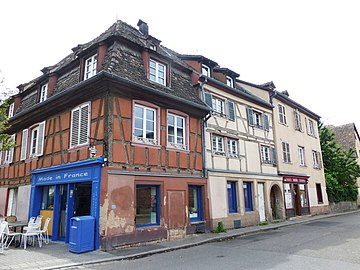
(65,191)
(296,195)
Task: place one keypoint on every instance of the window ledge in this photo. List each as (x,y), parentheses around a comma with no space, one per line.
(78,147)
(145,145)
(172,148)
(197,222)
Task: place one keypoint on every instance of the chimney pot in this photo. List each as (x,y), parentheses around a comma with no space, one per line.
(143,27)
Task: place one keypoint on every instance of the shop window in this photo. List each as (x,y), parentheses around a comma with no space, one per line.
(195,203)
(303,197)
(288,196)
(248,200)
(47,202)
(145,124)
(232,197)
(319,193)
(90,67)
(80,125)
(176,131)
(12,202)
(147,205)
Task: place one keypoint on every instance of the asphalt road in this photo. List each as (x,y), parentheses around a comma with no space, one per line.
(331,243)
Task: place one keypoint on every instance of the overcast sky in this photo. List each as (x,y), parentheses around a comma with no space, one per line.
(310,48)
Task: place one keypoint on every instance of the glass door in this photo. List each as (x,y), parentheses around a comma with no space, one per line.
(63,207)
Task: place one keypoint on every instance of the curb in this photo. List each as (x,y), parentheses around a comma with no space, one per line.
(219,238)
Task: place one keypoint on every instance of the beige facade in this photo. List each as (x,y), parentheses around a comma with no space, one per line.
(299,157)
(238,158)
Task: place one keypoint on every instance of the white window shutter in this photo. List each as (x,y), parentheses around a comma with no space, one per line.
(24,142)
(75,118)
(84,125)
(11,150)
(40,145)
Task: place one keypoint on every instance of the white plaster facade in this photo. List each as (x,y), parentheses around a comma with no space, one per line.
(246,166)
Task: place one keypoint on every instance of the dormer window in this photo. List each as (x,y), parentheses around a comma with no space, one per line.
(43,92)
(90,67)
(157,72)
(229,81)
(205,70)
(152,47)
(11,110)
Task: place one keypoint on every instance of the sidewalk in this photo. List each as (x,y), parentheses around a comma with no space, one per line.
(56,255)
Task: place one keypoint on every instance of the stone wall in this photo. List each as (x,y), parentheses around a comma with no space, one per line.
(343,206)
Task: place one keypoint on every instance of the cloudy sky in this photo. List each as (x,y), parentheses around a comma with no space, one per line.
(310,48)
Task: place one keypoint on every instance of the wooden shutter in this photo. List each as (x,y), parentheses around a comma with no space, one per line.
(40,144)
(250,115)
(266,122)
(75,125)
(231,110)
(24,142)
(273,155)
(208,99)
(84,125)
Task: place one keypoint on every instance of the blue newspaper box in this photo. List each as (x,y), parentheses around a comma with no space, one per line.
(81,237)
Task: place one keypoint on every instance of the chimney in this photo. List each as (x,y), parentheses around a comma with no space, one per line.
(286,93)
(143,27)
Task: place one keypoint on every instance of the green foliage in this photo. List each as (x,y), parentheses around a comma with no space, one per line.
(341,168)
(220,227)
(264,223)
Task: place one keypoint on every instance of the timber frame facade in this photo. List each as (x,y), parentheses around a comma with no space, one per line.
(118,136)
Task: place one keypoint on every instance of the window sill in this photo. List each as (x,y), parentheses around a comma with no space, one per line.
(219,154)
(171,148)
(78,147)
(147,226)
(145,145)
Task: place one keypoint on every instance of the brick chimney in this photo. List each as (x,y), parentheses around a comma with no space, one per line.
(143,27)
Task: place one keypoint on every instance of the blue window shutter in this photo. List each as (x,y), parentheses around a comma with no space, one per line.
(208,99)
(231,110)
(266,122)
(250,115)
(273,155)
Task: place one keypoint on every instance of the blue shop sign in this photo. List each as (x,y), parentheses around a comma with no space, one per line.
(79,175)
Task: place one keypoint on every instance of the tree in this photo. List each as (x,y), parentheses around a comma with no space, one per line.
(340,166)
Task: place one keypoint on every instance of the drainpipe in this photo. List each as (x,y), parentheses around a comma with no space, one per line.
(205,174)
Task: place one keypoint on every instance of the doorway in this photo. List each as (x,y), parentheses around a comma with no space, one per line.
(82,199)
(276,203)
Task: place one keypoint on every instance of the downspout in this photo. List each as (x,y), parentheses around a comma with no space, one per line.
(205,171)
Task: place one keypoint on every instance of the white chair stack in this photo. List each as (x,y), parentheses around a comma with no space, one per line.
(32,231)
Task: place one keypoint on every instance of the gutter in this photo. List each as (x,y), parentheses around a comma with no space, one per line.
(206,118)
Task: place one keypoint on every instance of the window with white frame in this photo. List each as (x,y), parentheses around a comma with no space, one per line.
(9,153)
(310,127)
(176,131)
(286,152)
(32,141)
(218,145)
(218,105)
(232,145)
(229,81)
(258,119)
(268,154)
(43,92)
(301,151)
(90,67)
(11,110)
(205,70)
(316,159)
(298,125)
(282,114)
(80,125)
(157,72)
(144,124)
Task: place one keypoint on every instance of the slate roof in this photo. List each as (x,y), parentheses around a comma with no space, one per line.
(345,135)
(123,58)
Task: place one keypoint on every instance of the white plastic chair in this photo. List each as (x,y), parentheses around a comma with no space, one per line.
(2,236)
(9,235)
(44,232)
(32,232)
(31,220)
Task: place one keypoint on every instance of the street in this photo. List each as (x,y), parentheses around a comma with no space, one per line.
(330,243)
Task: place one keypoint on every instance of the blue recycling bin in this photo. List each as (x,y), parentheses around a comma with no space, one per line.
(82,230)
